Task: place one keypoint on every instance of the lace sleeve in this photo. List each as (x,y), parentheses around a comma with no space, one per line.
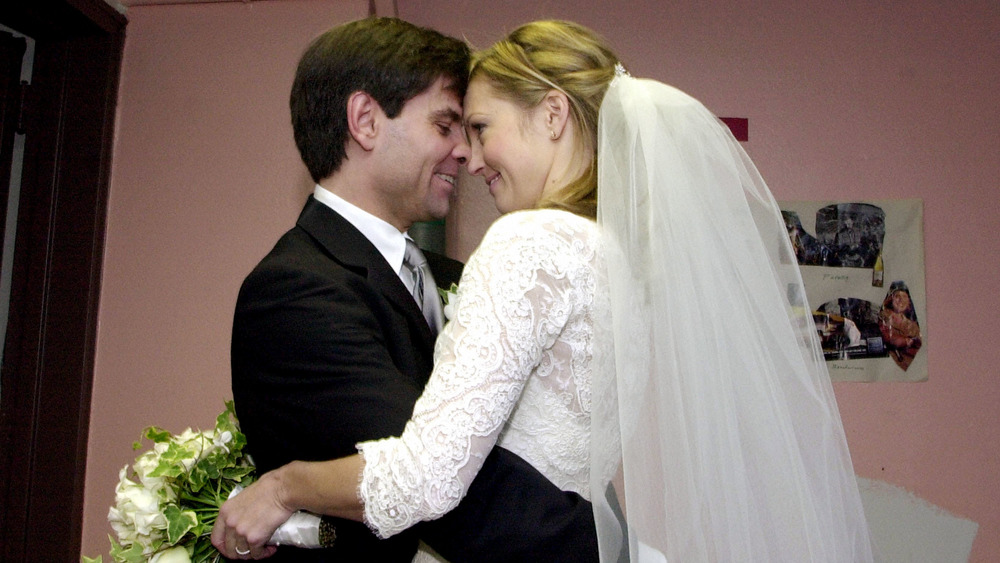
(512,304)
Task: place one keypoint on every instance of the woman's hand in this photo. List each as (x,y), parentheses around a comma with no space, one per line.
(247,520)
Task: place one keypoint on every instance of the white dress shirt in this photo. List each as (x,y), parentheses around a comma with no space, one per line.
(387,239)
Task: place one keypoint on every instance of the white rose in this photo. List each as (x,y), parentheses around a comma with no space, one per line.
(123,529)
(124,525)
(136,504)
(142,499)
(122,478)
(147,522)
(157,484)
(176,554)
(123,498)
(145,465)
(146,462)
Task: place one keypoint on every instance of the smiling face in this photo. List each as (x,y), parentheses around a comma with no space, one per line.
(510,147)
(425,148)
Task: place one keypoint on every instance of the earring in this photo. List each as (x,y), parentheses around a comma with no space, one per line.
(552,134)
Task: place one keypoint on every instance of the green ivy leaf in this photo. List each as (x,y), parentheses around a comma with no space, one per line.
(446,294)
(226,417)
(236,473)
(157,434)
(179,522)
(172,461)
(198,477)
(131,555)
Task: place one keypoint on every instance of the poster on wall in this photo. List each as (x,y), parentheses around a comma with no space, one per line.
(863,267)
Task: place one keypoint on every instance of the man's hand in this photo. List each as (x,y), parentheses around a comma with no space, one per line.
(247,520)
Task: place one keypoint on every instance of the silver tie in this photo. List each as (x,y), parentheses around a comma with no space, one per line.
(423,287)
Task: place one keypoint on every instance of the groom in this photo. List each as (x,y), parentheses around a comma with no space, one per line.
(329,346)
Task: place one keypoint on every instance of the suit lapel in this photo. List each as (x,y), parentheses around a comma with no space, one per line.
(349,247)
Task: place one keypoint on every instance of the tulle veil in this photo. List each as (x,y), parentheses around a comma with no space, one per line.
(713,415)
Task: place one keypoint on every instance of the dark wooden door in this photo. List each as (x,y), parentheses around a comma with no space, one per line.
(47,370)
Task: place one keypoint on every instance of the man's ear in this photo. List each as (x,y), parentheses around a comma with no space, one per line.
(556,110)
(363,119)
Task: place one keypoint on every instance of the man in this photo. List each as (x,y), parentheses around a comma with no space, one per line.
(329,345)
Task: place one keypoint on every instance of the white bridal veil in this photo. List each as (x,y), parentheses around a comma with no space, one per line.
(718,411)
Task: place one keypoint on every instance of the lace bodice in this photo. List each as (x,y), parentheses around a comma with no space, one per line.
(512,367)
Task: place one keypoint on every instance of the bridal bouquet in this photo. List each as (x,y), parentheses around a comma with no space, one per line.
(166,503)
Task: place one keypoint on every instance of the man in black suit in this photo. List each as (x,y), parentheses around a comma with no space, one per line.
(329,346)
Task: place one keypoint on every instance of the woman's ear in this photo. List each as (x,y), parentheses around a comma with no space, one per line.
(556,110)
(363,119)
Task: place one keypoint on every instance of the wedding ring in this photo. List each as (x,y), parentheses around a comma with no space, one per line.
(239,552)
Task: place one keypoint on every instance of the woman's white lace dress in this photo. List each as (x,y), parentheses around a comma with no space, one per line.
(512,367)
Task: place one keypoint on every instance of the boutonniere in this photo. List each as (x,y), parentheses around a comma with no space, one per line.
(449,298)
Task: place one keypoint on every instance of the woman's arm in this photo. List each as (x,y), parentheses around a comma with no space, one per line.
(513,302)
(322,487)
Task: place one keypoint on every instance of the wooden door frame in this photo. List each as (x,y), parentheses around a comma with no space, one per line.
(48,361)
(10,80)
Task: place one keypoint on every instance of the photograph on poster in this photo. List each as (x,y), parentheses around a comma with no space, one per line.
(862,263)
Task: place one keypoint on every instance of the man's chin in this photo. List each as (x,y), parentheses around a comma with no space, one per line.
(438,210)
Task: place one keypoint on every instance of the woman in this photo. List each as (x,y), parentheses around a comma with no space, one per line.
(898,323)
(651,344)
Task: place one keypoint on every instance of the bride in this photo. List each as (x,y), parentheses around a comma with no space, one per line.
(634,326)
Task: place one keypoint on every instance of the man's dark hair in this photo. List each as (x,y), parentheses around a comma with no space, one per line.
(390,59)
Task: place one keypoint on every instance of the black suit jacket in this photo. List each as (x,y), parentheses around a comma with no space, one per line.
(329,349)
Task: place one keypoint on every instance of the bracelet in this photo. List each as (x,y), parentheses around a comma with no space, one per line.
(327,533)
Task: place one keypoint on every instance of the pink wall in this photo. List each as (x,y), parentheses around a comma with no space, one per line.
(868,101)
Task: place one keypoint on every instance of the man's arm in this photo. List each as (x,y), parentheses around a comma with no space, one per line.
(513,513)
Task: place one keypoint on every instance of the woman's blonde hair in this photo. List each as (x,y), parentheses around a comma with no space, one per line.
(555,55)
